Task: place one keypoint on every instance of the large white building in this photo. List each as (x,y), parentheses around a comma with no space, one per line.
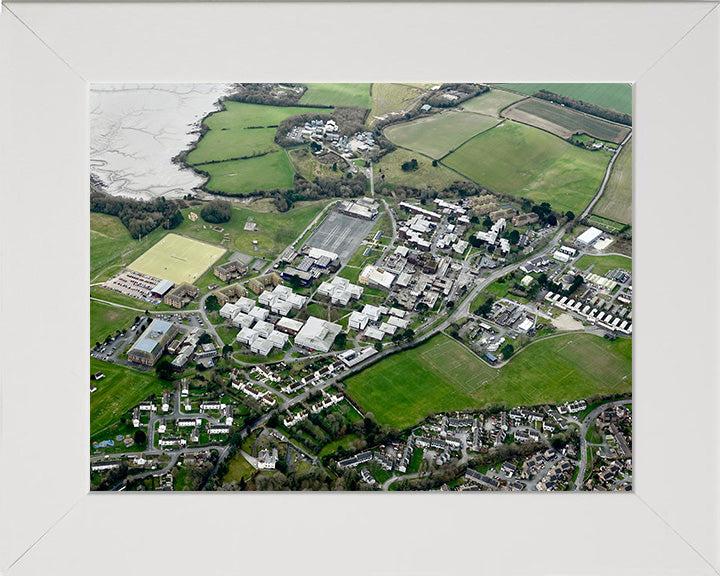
(317,334)
(340,290)
(372,276)
(589,236)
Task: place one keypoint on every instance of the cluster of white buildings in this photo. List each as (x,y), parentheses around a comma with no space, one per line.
(369,320)
(340,291)
(564,254)
(491,236)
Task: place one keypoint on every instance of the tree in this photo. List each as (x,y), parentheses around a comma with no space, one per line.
(485,308)
(507,351)
(212,304)
(340,340)
(334,166)
(570,215)
(205,339)
(273,420)
(487,223)
(552,220)
(514,237)
(378,346)
(164,369)
(434,163)
(227,350)
(474,220)
(410,166)
(216,211)
(140,437)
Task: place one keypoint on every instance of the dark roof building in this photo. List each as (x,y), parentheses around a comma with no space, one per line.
(152,343)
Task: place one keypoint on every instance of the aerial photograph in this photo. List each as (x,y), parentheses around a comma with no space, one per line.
(361,287)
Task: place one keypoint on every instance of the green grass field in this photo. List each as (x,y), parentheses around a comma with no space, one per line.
(438,177)
(442,375)
(616,201)
(120,390)
(178,259)
(615,96)
(604,264)
(275,230)
(346,442)
(524,161)
(327,94)
(111,244)
(491,102)
(238,468)
(106,319)
(241,177)
(439,134)
(567,121)
(309,167)
(390,98)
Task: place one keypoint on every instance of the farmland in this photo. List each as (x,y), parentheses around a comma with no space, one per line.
(241,177)
(239,152)
(118,392)
(615,96)
(442,375)
(388,98)
(616,201)
(525,162)
(178,259)
(439,134)
(357,95)
(603,264)
(563,121)
(438,177)
(490,103)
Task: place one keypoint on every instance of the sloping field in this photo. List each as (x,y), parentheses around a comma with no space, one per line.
(178,259)
(442,375)
(490,103)
(120,390)
(603,264)
(240,177)
(388,98)
(563,121)
(439,134)
(106,319)
(526,162)
(616,201)
(337,95)
(237,133)
(614,96)
(438,177)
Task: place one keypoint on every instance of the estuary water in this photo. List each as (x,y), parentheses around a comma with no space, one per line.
(137,129)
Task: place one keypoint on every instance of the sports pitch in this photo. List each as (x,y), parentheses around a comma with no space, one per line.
(178,259)
(442,375)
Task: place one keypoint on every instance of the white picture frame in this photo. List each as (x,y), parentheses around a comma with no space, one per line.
(50,524)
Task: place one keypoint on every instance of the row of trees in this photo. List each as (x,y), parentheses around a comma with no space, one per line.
(437,99)
(139,217)
(319,188)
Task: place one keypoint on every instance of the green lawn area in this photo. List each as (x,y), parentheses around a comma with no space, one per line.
(438,177)
(238,468)
(439,134)
(490,103)
(346,442)
(391,98)
(120,390)
(526,162)
(241,177)
(604,263)
(415,461)
(616,201)
(227,334)
(111,243)
(106,319)
(327,94)
(275,230)
(442,375)
(615,96)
